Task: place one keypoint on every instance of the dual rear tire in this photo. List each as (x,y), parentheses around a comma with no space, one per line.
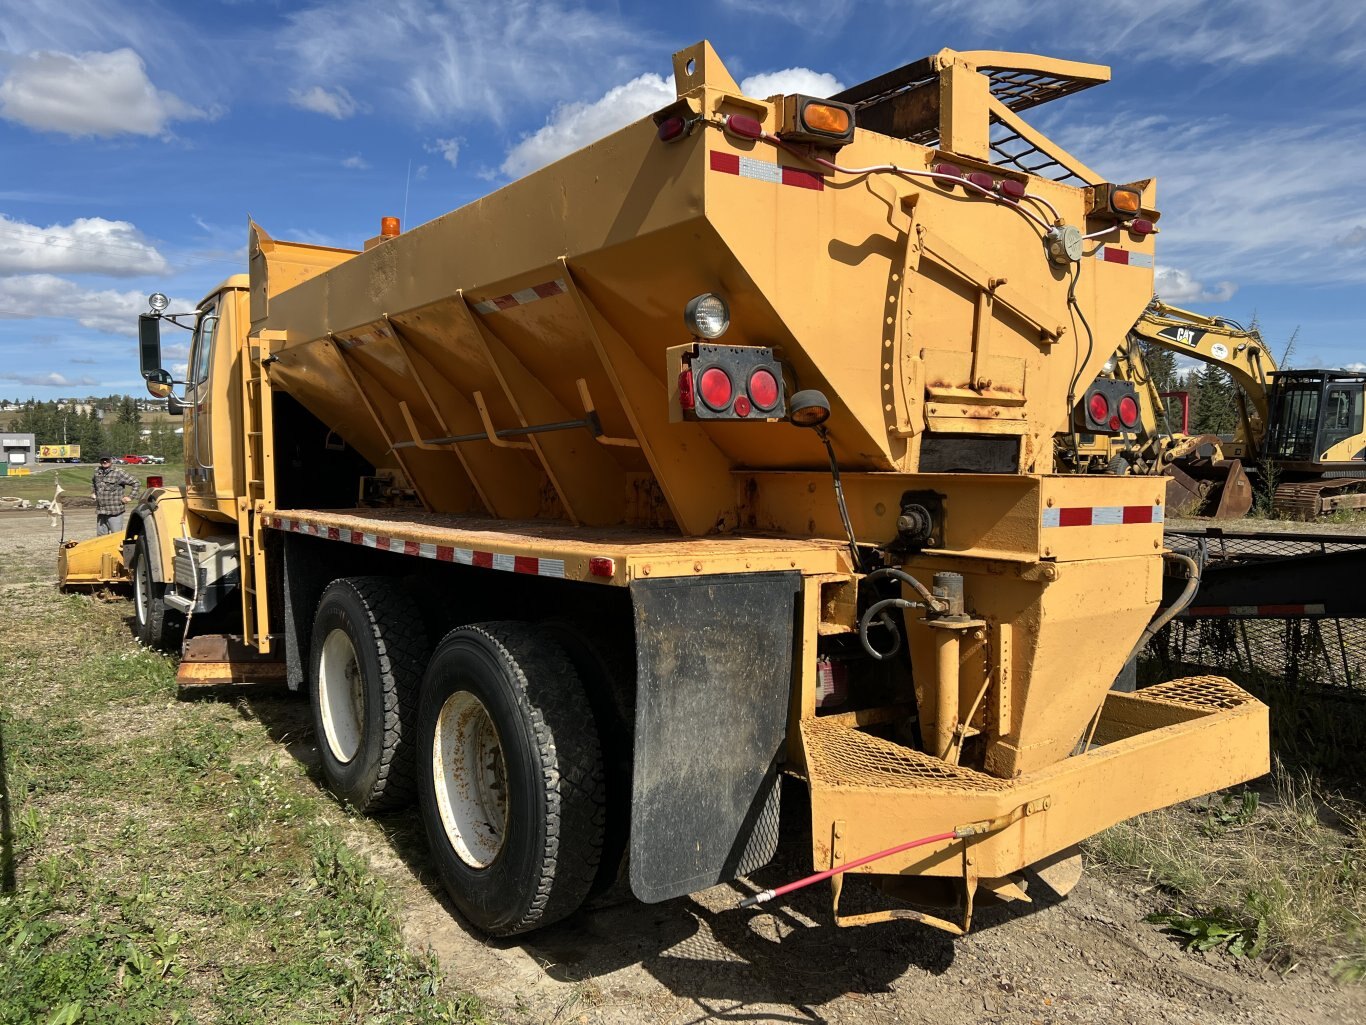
(494,732)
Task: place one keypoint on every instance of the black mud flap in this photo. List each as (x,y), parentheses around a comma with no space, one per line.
(714,672)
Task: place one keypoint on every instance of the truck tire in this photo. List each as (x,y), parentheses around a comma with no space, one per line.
(365,667)
(511,786)
(157,626)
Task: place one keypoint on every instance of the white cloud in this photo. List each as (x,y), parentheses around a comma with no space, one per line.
(1218,32)
(102,94)
(1354,239)
(28,296)
(356,162)
(1228,207)
(449,150)
(1356,368)
(336,103)
(49,380)
(791,80)
(454,59)
(574,125)
(1176,285)
(807,14)
(88,245)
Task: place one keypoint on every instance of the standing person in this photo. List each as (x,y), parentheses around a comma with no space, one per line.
(106,488)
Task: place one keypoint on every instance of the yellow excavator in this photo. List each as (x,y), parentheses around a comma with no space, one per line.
(1300,432)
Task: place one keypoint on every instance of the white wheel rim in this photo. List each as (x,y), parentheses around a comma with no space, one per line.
(471,780)
(341,696)
(140,589)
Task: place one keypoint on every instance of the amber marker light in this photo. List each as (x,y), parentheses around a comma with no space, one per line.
(1125,201)
(809,408)
(824,117)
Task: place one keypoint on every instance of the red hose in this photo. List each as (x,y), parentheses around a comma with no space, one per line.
(767,895)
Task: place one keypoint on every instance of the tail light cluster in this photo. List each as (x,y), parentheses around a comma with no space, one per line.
(731,382)
(1108,406)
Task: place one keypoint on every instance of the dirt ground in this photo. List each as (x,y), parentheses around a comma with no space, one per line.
(1089,958)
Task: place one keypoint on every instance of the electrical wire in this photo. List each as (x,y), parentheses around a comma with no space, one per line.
(1078,364)
(904,172)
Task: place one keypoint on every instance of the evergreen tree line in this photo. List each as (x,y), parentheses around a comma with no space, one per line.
(1213,395)
(118,433)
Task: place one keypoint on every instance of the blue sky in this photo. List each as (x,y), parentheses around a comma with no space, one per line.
(136,137)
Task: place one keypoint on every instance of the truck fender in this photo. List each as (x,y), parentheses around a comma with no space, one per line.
(153,520)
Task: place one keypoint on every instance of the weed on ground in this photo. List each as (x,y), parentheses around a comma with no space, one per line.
(1275,868)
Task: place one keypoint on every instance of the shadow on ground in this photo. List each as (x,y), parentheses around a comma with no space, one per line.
(701,948)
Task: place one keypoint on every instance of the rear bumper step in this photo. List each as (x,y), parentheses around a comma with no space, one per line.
(1151,749)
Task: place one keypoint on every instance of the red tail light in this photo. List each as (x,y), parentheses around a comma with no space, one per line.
(763,389)
(686,398)
(742,406)
(672,128)
(715,388)
(1128,412)
(154,482)
(1099,407)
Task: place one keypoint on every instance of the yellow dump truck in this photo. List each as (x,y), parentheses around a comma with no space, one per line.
(720,449)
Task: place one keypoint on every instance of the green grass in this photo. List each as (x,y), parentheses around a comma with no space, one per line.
(163,862)
(41,483)
(1275,868)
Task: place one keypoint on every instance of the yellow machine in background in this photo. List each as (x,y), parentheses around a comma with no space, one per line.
(731,457)
(1304,428)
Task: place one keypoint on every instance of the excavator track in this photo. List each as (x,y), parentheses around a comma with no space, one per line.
(1310,499)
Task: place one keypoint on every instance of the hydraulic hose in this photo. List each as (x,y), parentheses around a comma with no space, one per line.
(880,609)
(1176,608)
(824,435)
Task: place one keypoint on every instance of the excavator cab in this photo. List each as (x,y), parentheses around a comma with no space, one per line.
(1317,420)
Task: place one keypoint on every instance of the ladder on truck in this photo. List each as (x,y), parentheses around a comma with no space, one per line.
(259,487)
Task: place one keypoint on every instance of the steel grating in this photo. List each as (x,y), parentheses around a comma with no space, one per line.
(1198,692)
(837,755)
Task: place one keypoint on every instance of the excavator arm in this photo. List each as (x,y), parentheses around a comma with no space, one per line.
(1238,350)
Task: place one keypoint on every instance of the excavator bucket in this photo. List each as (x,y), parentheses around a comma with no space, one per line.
(1184,494)
(1235,496)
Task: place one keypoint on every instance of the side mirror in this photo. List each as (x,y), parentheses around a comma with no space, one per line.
(149,345)
(159,384)
(174,407)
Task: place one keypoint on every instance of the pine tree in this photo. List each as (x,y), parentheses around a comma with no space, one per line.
(1215,410)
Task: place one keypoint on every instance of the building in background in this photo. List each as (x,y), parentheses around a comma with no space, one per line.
(18,453)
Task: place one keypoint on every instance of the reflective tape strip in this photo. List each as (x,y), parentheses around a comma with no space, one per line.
(507,562)
(1100,515)
(1113,254)
(762,170)
(1253,611)
(521,297)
